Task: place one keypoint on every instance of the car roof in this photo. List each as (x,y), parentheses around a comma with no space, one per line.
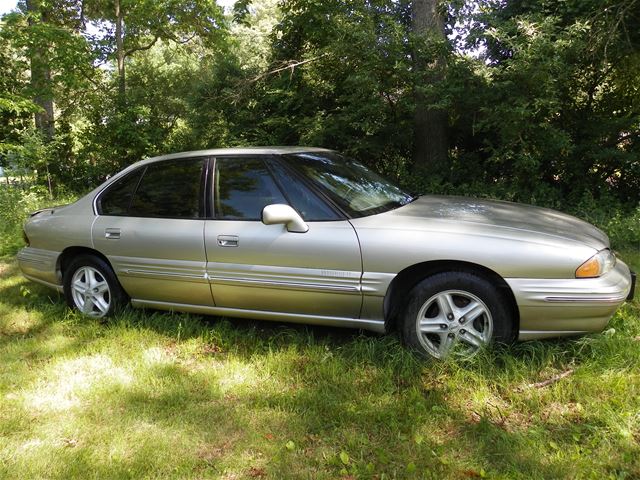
(237,151)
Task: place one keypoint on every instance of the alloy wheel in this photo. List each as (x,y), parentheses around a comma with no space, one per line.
(454,322)
(90,292)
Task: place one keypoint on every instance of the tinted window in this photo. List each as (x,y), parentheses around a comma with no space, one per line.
(308,204)
(116,200)
(170,189)
(243,187)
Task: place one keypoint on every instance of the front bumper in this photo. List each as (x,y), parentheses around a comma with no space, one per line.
(563,307)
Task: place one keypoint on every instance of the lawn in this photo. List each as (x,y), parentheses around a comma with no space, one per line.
(159,395)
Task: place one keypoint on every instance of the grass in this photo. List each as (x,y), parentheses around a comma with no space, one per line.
(159,395)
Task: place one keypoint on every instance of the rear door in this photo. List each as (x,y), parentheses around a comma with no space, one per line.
(151,227)
(260,267)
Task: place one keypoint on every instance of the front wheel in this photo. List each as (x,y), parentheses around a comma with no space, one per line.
(455,314)
(91,287)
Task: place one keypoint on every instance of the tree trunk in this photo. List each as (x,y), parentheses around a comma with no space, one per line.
(430,151)
(120,54)
(41,77)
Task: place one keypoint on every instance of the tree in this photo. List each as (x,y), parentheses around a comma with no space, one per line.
(430,148)
(337,76)
(136,25)
(16,108)
(48,61)
(545,112)
(38,15)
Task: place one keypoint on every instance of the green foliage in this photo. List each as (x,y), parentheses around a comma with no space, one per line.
(149,20)
(549,113)
(15,206)
(354,94)
(540,96)
(16,108)
(622,226)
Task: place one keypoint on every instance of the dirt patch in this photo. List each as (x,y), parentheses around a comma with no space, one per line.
(499,414)
(211,349)
(257,472)
(8,269)
(570,411)
(213,452)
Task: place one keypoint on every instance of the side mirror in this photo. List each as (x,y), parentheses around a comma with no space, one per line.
(279,213)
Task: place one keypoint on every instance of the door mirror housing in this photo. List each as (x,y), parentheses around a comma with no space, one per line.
(279,213)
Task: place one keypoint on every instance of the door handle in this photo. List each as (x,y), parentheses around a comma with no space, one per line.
(228,240)
(112,233)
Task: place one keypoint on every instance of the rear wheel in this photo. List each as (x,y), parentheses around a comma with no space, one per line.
(91,287)
(455,314)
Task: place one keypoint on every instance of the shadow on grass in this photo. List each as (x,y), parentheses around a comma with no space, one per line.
(175,421)
(248,389)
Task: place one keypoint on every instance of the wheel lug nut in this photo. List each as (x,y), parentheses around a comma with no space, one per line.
(462,319)
(451,335)
(450,316)
(463,331)
(443,326)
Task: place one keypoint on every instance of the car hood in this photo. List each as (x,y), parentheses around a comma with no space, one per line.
(509,218)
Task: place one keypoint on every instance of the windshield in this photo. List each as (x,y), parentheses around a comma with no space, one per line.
(351,185)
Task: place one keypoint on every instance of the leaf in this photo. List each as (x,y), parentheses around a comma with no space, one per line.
(418,439)
(553,445)
(290,445)
(344,458)
(411,467)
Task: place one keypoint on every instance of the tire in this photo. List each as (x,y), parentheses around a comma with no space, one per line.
(455,314)
(91,287)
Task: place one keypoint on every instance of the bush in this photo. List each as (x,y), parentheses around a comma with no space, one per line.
(623,228)
(15,206)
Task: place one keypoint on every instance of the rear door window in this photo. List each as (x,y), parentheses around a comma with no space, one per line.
(171,189)
(117,199)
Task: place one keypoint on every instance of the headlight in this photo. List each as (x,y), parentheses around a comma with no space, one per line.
(598,265)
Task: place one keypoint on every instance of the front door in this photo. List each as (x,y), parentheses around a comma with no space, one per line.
(260,267)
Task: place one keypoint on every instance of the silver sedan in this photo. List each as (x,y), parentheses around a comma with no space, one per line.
(306,235)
